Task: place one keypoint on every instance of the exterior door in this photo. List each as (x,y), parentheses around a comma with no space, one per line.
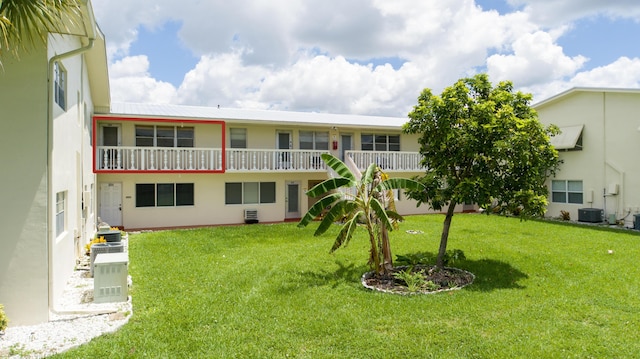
(345,145)
(109,158)
(284,144)
(111,203)
(292,200)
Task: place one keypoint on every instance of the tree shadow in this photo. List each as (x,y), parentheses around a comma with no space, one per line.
(490,274)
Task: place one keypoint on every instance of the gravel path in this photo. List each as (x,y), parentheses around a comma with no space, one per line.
(77,321)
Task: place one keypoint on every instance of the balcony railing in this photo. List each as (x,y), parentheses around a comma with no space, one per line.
(172,159)
(242,160)
(388,161)
(134,159)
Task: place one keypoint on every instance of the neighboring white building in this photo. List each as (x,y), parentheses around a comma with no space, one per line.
(599,144)
(47,98)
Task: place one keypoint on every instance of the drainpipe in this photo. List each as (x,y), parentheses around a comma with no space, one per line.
(49,227)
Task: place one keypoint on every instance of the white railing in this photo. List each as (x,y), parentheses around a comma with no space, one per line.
(118,158)
(240,160)
(388,161)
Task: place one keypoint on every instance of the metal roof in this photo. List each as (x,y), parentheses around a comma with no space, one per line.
(255,116)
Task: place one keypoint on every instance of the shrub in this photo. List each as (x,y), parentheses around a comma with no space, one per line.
(4,321)
(565,215)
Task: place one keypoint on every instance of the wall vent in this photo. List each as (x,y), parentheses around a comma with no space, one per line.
(250,216)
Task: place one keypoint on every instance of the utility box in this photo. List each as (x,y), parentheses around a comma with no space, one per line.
(636,221)
(111,271)
(593,215)
(111,235)
(99,248)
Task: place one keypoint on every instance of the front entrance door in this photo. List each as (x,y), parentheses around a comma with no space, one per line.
(111,203)
(292,200)
(284,145)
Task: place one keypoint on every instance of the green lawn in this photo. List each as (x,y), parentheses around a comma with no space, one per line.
(542,290)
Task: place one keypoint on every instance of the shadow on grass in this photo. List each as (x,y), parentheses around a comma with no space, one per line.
(593,226)
(490,275)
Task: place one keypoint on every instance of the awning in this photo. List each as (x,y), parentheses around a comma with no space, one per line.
(568,137)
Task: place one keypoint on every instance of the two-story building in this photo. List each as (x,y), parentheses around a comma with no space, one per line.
(172,166)
(599,144)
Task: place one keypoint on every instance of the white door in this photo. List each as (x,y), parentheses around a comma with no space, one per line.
(292,200)
(111,203)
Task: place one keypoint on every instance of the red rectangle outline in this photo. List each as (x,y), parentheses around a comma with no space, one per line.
(162,120)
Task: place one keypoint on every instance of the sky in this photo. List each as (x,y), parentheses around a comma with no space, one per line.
(369,57)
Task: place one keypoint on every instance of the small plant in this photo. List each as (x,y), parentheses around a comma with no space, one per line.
(431,286)
(87,247)
(4,321)
(565,215)
(452,256)
(413,259)
(414,280)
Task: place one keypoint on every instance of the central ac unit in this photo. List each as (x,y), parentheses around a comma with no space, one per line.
(250,216)
(593,215)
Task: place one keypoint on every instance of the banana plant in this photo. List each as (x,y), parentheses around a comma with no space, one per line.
(357,199)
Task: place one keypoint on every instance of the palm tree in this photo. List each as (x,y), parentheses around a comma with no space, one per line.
(365,199)
(25,23)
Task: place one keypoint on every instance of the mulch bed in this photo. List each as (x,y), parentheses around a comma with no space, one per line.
(441,280)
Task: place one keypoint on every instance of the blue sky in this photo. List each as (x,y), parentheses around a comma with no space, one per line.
(362,56)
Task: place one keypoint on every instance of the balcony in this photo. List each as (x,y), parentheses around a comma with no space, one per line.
(244,160)
(120,159)
(157,159)
(391,161)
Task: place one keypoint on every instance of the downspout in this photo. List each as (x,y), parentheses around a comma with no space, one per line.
(49,227)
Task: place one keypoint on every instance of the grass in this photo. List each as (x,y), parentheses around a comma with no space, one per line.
(272,291)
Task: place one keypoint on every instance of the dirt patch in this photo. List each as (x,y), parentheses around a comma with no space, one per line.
(418,279)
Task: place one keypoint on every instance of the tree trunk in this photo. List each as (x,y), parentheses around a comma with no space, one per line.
(387,260)
(445,235)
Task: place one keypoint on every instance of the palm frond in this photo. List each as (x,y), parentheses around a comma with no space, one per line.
(318,207)
(346,232)
(329,185)
(367,177)
(341,169)
(338,211)
(381,213)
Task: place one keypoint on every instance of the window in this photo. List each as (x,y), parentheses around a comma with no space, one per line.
(164,136)
(238,137)
(566,191)
(59,85)
(310,140)
(250,192)
(164,194)
(370,142)
(61,199)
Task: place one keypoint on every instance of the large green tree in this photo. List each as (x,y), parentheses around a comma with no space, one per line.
(482,144)
(25,23)
(365,200)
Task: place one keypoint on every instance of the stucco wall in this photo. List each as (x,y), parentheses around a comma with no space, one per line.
(23,250)
(610,142)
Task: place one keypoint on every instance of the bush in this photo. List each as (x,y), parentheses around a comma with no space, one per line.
(4,321)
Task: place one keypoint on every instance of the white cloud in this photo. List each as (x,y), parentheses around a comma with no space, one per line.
(302,54)
(535,59)
(130,82)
